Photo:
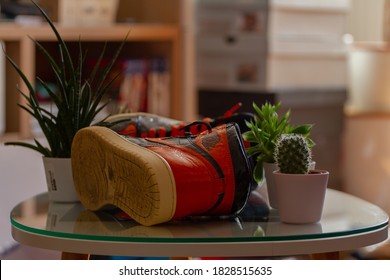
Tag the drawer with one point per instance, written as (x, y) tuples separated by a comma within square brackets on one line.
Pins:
[(306, 71), (245, 72), (231, 44), (308, 22)]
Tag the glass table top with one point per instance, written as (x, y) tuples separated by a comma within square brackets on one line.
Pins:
[(343, 215)]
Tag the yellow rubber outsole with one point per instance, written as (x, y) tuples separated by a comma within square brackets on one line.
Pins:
[(110, 170)]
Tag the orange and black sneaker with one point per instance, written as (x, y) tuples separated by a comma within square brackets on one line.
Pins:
[(153, 126), (155, 180)]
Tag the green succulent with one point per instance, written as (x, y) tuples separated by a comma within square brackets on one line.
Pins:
[(293, 154), (264, 131), (78, 101)]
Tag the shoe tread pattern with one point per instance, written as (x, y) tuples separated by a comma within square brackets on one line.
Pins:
[(109, 170)]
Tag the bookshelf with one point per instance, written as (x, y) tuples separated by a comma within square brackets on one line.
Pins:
[(143, 40)]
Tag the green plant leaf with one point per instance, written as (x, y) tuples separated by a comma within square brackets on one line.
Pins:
[(39, 148), (78, 100), (258, 172), (264, 131), (304, 129)]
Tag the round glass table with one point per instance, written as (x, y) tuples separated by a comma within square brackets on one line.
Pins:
[(347, 223)]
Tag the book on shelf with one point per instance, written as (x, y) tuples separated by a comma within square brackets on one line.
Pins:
[(159, 87), (146, 86), (133, 89)]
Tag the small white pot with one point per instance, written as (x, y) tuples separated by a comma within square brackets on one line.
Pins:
[(269, 169), (301, 196), (58, 172)]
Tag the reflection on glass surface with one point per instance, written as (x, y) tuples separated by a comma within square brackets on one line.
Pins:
[(343, 214), (204, 228), (61, 215)]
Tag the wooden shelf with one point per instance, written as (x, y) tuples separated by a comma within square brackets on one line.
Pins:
[(117, 32), (159, 38)]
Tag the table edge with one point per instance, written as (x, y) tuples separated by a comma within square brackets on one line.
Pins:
[(205, 249)]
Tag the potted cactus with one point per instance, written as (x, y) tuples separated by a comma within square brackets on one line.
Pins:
[(263, 133), (300, 191)]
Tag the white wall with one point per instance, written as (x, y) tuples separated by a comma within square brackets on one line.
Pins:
[(2, 90), (366, 20), (366, 158)]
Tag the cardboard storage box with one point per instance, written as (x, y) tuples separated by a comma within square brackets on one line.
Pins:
[(81, 12)]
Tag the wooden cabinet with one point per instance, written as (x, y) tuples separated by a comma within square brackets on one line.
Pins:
[(143, 39)]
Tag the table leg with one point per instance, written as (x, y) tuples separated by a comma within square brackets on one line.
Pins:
[(74, 256), (326, 256)]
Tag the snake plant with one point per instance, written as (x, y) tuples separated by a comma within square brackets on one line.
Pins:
[(78, 100)]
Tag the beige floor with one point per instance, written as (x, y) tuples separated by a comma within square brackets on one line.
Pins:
[(23, 252)]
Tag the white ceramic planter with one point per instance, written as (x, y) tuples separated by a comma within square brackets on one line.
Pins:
[(58, 172), (269, 169), (301, 196)]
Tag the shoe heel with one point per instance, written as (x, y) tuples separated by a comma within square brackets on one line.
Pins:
[(241, 167), (110, 170)]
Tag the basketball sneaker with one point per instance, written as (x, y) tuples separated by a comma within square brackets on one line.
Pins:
[(155, 180)]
